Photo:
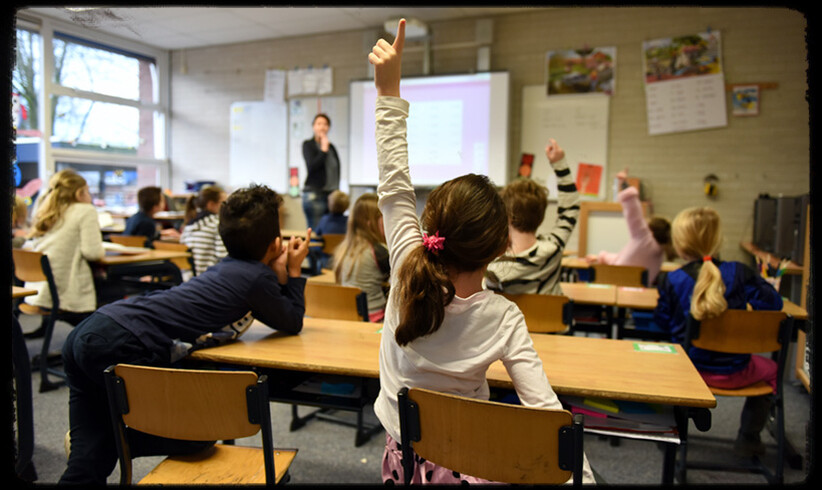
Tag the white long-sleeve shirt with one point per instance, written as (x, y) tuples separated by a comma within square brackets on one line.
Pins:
[(476, 331), (73, 241)]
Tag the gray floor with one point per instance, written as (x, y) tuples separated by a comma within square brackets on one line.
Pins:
[(327, 454)]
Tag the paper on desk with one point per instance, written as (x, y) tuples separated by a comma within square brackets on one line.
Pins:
[(123, 249)]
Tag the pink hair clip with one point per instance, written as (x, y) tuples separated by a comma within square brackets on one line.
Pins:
[(434, 242)]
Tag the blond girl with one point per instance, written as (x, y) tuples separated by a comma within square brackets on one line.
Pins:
[(704, 288), (66, 229)]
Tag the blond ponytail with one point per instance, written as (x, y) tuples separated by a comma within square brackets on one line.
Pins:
[(696, 234)]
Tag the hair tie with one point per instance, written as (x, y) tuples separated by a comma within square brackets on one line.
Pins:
[(707, 258), (434, 242)]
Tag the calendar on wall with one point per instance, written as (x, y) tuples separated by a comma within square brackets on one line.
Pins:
[(684, 83)]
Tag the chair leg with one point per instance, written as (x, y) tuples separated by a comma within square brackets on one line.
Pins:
[(45, 383)]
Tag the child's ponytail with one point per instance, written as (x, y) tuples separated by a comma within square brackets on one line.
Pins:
[(423, 294), (708, 300), (468, 227), (696, 235)]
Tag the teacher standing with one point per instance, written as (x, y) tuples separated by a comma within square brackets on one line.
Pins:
[(323, 164)]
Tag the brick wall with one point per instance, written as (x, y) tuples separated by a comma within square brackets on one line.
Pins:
[(767, 153)]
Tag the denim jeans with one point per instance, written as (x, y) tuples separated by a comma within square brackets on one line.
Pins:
[(90, 348), (315, 205)]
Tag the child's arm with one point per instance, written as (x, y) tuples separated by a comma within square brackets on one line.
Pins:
[(397, 200), (567, 195), (283, 308), (758, 292), (91, 240)]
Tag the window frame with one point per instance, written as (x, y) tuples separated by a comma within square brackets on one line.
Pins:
[(46, 27)]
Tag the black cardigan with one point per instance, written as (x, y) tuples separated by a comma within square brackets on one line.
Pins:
[(315, 164)]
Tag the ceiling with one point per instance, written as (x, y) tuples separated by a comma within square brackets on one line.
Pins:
[(191, 27)]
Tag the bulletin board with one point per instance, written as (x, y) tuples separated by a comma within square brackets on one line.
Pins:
[(301, 112), (258, 145), (579, 124)]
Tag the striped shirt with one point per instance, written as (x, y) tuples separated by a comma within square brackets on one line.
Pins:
[(537, 269), (202, 236)]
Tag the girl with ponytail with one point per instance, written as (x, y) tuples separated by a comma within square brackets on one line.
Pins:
[(442, 328), (704, 288)]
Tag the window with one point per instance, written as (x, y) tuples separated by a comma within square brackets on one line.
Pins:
[(106, 108)]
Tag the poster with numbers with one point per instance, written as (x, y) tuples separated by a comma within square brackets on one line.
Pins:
[(684, 83)]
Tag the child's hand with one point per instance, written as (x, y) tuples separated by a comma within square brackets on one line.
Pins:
[(280, 265), (387, 61), (297, 251), (554, 152), (591, 258)]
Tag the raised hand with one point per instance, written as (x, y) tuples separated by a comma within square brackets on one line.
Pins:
[(553, 151), (387, 61)]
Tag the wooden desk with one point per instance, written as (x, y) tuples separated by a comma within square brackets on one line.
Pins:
[(576, 366), (326, 276), (114, 258), (582, 263), (772, 260), (352, 349), (588, 293), (286, 233)]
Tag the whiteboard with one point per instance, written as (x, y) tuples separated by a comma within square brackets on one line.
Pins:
[(578, 123), (301, 112), (258, 145)]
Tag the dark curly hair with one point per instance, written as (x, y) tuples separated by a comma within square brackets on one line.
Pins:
[(250, 221)]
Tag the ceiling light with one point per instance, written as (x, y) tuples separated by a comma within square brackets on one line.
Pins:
[(414, 28)]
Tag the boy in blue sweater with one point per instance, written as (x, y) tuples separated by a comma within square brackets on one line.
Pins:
[(259, 279)]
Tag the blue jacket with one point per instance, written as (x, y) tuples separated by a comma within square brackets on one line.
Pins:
[(742, 286)]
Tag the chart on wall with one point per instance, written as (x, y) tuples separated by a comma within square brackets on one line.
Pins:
[(684, 83), (579, 124), (258, 145), (301, 112)]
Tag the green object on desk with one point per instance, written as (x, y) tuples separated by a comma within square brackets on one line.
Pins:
[(663, 348)]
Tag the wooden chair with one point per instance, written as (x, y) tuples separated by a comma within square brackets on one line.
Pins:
[(495, 441), (331, 241), (746, 332), (128, 240), (335, 302), (197, 405), (545, 313), (183, 263), (619, 275), (30, 266)]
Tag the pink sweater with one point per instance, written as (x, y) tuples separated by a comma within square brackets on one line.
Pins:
[(642, 249)]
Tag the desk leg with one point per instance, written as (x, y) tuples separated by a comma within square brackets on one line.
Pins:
[(622, 313)]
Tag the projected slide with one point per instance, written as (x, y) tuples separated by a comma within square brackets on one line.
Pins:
[(458, 124)]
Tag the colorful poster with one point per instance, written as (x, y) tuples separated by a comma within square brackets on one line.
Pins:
[(588, 178), (681, 57), (580, 71), (684, 83), (745, 100)]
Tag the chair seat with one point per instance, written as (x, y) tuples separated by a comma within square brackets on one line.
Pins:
[(219, 465), (757, 389), (33, 310)]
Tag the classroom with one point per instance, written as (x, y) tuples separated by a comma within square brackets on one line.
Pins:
[(218, 74)]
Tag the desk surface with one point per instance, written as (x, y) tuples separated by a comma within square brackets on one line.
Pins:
[(773, 260), (646, 298), (147, 256), (578, 366)]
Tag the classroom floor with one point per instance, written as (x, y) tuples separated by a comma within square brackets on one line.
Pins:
[(327, 454)]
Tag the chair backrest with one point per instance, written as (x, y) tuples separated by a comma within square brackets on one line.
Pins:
[(544, 313), (193, 405), (184, 263), (619, 275), (128, 240), (31, 266), (740, 331), (335, 301), (331, 241), (495, 441)]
